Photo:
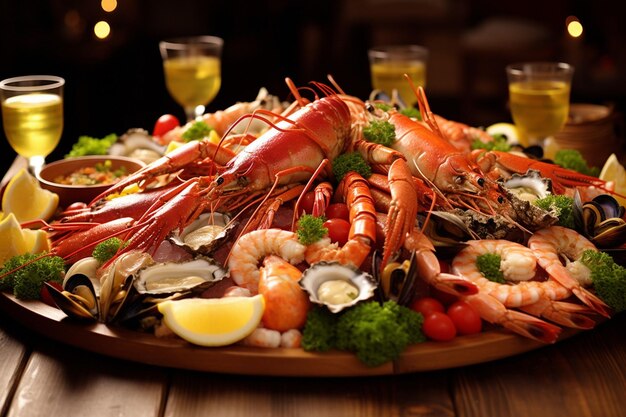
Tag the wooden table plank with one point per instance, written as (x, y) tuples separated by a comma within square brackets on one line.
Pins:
[(64, 381), (195, 394), (13, 357), (579, 377)]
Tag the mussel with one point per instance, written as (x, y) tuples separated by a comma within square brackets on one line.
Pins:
[(397, 281), (601, 220), (77, 299)]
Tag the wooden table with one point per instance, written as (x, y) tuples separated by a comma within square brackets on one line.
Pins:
[(581, 376)]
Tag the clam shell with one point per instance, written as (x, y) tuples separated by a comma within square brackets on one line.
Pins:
[(321, 272), (171, 277)]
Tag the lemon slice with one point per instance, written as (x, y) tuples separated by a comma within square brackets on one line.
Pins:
[(213, 321), (36, 240), (508, 130), (25, 198), (11, 238), (615, 172)]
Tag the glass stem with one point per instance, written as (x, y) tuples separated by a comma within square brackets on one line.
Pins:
[(35, 163), (194, 113)]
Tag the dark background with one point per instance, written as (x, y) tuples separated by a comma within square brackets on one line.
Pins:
[(117, 83)]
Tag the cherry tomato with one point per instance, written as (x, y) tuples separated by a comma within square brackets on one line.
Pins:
[(338, 230), (465, 318), (438, 326), (427, 306), (164, 124), (76, 206), (338, 211), (306, 203)]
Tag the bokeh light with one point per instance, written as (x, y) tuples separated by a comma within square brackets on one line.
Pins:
[(574, 27), (108, 5), (102, 29)]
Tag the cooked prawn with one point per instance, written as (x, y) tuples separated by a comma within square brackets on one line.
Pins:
[(493, 311), (286, 303), (552, 244), (353, 252), (518, 265), (252, 247)]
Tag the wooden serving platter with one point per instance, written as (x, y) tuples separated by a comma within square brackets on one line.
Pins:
[(145, 348)]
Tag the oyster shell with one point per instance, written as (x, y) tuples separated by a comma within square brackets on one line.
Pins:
[(171, 277), (529, 187), (354, 285), (205, 234), (137, 143)]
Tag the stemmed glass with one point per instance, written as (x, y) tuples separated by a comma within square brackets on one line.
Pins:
[(192, 71), (388, 64), (539, 94), (32, 114)]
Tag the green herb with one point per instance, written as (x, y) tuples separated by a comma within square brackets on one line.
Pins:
[(375, 333), (497, 144), (573, 159), (198, 130), (383, 106), (88, 145), (560, 206), (351, 161), (319, 331), (382, 132), (489, 265), (107, 249), (378, 333), (27, 282), (609, 278), (310, 229), (411, 112)]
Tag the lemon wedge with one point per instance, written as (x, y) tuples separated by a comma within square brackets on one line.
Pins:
[(11, 238), (614, 171), (508, 130), (25, 198), (36, 240), (213, 321)]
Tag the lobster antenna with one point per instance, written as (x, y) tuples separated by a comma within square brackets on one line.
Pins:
[(335, 84)]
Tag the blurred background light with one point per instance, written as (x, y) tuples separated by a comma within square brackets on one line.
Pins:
[(102, 29)]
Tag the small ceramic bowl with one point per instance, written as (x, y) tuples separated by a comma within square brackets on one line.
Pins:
[(69, 194)]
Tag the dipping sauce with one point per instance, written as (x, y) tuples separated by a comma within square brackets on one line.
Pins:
[(99, 174), (337, 291)]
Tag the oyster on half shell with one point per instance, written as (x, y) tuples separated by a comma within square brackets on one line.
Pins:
[(337, 286), (171, 277), (205, 234)]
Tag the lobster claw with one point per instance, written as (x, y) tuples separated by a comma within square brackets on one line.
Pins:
[(396, 281)]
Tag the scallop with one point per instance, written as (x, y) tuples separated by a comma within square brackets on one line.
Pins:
[(205, 234), (171, 277), (337, 286)]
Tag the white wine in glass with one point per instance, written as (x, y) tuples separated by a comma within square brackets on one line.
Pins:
[(192, 69), (32, 115), (539, 95)]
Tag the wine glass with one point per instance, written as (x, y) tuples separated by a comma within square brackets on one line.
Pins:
[(539, 94), (192, 71), (388, 64), (32, 115)]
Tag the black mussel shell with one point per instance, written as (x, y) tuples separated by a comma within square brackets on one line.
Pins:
[(398, 283)]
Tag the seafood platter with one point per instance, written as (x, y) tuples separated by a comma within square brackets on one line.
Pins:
[(328, 235)]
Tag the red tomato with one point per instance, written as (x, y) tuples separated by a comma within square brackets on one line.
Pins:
[(338, 211), (338, 230), (164, 124), (76, 206), (306, 203), (438, 326), (427, 306), (465, 318)]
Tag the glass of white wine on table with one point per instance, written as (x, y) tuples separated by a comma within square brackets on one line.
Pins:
[(389, 64), (539, 96), (192, 67), (32, 116)]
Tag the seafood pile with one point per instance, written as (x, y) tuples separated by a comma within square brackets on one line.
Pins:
[(219, 219)]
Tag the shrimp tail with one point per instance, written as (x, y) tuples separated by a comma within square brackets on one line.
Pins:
[(563, 313), (559, 274), (454, 284)]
